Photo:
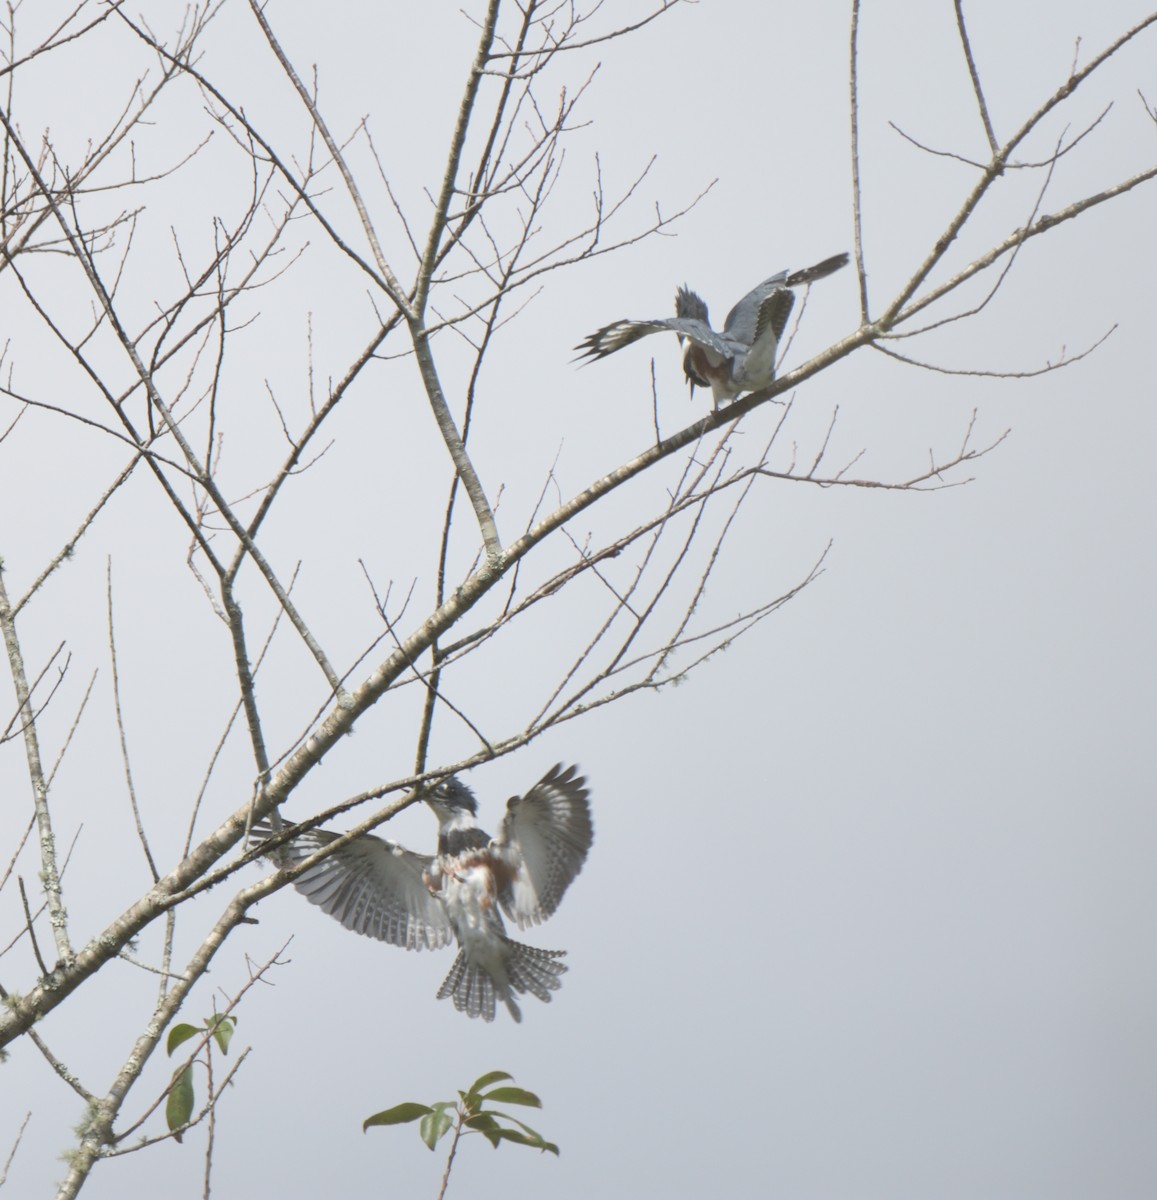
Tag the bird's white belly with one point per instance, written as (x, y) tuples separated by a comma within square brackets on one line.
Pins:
[(467, 896), (470, 904)]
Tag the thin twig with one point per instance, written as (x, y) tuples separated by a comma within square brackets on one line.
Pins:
[(49, 871), (857, 191), (973, 74)]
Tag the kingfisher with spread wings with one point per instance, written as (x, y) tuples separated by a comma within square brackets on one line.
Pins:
[(740, 359), (378, 888)]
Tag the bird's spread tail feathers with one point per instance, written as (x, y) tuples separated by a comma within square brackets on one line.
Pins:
[(528, 969), (810, 274)]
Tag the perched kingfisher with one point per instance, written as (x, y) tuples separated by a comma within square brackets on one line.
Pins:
[(380, 889), (742, 357)]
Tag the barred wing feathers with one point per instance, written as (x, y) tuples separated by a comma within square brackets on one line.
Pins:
[(544, 839), (373, 887)]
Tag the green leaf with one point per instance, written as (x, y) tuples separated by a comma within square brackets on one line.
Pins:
[(489, 1078), (400, 1114), (514, 1095), (532, 1133), (179, 1034), (486, 1125), (222, 1028), (434, 1126), (179, 1106), (525, 1139)]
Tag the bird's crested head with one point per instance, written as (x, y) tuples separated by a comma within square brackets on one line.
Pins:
[(451, 796)]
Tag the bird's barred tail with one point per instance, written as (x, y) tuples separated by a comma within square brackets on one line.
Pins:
[(810, 274), (528, 969)]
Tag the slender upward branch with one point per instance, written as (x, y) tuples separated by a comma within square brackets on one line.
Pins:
[(464, 468), (993, 145), (454, 157), (450, 1157), (392, 286), (857, 207), (49, 871), (471, 484)]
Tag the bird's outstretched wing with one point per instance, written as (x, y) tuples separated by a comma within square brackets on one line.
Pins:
[(544, 839), (622, 333), (744, 320), (372, 886), (773, 314)]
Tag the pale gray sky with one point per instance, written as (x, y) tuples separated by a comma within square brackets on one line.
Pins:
[(870, 909)]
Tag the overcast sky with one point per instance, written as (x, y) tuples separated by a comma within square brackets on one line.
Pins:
[(870, 908)]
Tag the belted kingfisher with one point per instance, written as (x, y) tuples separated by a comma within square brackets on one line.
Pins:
[(742, 357), (378, 888)]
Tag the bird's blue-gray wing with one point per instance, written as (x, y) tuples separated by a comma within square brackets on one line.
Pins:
[(758, 367), (743, 319), (622, 333), (371, 886), (544, 840)]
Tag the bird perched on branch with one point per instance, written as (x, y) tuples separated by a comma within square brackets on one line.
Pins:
[(378, 888), (742, 357)]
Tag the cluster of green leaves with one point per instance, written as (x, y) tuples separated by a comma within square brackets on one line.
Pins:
[(470, 1114), (179, 1106)]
